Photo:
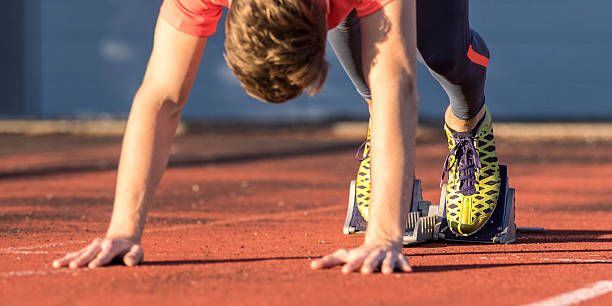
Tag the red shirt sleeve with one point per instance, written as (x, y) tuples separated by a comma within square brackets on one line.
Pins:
[(367, 7), (195, 17)]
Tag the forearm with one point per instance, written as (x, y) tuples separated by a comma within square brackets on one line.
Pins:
[(151, 126), (393, 147), (144, 155), (394, 111), (154, 116)]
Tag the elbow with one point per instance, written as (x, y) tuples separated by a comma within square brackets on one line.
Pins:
[(393, 79), (407, 92), (406, 82), (408, 85), (160, 100)]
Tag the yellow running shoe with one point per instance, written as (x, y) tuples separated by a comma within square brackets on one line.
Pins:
[(473, 177), (363, 185)]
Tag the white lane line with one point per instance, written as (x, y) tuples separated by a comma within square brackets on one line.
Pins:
[(40, 246), (33, 273), (576, 260), (277, 216), (24, 252), (577, 296)]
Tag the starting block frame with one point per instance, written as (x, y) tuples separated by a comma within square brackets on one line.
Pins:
[(427, 221)]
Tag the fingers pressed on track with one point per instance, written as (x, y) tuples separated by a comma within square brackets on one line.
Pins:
[(388, 264), (403, 263), (134, 256), (339, 257), (326, 262), (104, 257), (64, 261), (372, 262), (91, 252), (354, 263)]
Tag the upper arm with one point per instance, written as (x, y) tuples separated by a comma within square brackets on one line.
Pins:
[(389, 44), (173, 63)]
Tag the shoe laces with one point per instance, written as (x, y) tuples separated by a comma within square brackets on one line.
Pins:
[(467, 161)]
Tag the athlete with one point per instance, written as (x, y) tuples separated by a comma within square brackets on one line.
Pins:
[(276, 49)]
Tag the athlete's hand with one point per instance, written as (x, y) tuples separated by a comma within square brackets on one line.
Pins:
[(100, 252), (366, 258)]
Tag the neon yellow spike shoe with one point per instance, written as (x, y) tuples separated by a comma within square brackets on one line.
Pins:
[(363, 185), (473, 177)]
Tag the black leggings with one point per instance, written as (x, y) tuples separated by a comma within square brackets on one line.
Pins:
[(455, 55)]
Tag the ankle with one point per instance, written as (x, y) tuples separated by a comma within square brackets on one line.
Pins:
[(462, 125)]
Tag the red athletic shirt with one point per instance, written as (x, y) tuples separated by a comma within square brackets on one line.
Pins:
[(200, 17)]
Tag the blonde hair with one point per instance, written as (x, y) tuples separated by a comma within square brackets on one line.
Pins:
[(276, 48)]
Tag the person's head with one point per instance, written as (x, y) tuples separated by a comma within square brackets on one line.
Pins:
[(276, 48)]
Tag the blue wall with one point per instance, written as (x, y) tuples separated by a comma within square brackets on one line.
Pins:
[(550, 60)]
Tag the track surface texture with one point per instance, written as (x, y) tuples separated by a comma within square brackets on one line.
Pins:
[(238, 217)]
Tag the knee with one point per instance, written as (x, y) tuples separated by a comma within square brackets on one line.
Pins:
[(444, 61)]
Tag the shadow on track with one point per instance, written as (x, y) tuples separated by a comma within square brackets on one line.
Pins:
[(508, 252), (185, 160), (217, 261), (561, 236), (546, 236), (445, 268)]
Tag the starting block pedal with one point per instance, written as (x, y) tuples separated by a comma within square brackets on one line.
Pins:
[(427, 221)]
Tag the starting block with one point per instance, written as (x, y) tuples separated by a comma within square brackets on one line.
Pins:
[(427, 221)]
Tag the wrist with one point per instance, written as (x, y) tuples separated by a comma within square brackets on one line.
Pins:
[(382, 238), (385, 228), (125, 230), (135, 238)]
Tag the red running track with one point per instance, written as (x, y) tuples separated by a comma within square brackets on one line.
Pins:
[(238, 218)]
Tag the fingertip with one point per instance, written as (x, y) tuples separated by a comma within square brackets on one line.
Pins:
[(73, 265), (134, 256), (404, 264), (315, 265), (56, 264), (130, 261)]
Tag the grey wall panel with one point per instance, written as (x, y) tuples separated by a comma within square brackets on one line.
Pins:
[(550, 60), (11, 57)]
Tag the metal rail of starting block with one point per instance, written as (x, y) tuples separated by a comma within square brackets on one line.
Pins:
[(427, 222)]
